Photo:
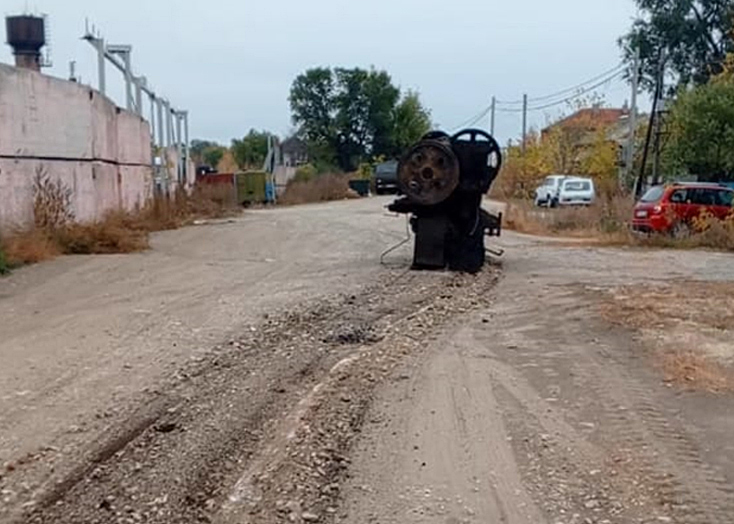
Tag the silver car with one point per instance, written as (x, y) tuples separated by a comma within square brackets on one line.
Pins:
[(577, 191), (548, 192)]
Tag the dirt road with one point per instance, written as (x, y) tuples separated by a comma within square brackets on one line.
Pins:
[(269, 369), (535, 409)]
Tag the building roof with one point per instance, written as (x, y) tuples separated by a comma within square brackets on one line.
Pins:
[(592, 118)]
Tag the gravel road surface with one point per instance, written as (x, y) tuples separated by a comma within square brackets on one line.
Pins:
[(269, 369)]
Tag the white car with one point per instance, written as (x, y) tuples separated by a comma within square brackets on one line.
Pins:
[(577, 192), (548, 192)]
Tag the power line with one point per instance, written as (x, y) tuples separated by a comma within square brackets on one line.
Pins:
[(613, 72), (567, 99), (473, 120)]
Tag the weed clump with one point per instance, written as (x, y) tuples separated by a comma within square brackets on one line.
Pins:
[(55, 232)]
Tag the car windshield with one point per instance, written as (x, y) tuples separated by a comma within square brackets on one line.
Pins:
[(654, 194), (386, 169), (725, 198), (577, 185)]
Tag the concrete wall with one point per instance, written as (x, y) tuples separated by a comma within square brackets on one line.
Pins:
[(169, 172), (73, 134)]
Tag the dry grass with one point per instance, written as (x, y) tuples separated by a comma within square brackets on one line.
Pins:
[(607, 223), (55, 233), (321, 188), (28, 247), (690, 325), (604, 220), (693, 371)]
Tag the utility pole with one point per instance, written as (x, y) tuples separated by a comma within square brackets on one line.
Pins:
[(660, 107), (492, 115), (524, 121), (640, 185), (630, 153)]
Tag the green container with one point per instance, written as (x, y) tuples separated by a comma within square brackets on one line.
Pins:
[(251, 187), (361, 187)]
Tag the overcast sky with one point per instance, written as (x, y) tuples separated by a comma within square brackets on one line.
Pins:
[(231, 62)]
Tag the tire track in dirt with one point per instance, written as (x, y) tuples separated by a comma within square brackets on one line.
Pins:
[(636, 464), (695, 492), (300, 480), (216, 418)]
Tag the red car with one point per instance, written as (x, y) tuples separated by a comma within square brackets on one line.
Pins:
[(672, 209)]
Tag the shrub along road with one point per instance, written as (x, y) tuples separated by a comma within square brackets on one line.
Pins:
[(269, 369)]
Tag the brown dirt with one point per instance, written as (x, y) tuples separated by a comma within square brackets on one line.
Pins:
[(688, 323), (268, 369), (536, 410)]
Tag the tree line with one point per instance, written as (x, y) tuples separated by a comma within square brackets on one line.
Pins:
[(248, 152), (691, 42), (346, 117)]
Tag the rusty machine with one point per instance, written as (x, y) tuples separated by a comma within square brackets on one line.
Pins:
[(442, 180)]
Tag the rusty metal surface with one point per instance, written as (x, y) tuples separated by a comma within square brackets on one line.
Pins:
[(429, 172), (443, 179)]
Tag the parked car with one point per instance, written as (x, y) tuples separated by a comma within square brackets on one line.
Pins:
[(577, 191), (671, 209), (386, 178), (548, 192)]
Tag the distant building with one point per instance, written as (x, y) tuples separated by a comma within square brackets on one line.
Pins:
[(591, 119), (580, 131), (295, 152)]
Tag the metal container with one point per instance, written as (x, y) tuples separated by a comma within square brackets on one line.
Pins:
[(216, 179), (26, 34), (251, 187), (361, 187)]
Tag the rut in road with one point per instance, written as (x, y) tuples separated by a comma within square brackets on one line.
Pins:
[(535, 410), (180, 456)]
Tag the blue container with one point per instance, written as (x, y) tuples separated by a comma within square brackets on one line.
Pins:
[(270, 192)]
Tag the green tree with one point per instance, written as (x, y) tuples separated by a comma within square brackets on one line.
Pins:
[(383, 98), (250, 151), (313, 105), (702, 131), (349, 115), (412, 121), (213, 155), (197, 148), (693, 34)]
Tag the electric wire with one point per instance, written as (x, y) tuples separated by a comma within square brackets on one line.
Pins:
[(613, 72), (564, 100), (473, 120)]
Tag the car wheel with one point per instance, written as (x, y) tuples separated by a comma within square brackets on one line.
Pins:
[(681, 231)]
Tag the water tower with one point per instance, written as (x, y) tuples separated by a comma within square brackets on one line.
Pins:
[(27, 36)]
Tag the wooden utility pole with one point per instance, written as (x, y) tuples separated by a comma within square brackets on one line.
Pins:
[(631, 141), (660, 107), (640, 185)]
